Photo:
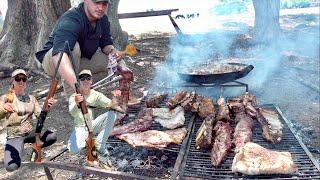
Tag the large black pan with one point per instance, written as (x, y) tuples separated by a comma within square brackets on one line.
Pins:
[(217, 78)]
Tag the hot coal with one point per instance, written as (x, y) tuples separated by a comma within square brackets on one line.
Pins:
[(142, 161)]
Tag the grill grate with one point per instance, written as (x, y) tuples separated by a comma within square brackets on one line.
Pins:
[(197, 163), (172, 150)]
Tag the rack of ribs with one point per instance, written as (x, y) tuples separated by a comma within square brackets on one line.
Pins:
[(204, 134), (253, 159), (271, 125), (155, 100)]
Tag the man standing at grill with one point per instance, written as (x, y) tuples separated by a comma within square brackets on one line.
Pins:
[(102, 125), (17, 108), (86, 28)]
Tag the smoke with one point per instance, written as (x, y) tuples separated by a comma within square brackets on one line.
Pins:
[(300, 39), (188, 51)]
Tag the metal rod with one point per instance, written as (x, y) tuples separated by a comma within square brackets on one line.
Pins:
[(184, 160), (175, 25), (146, 14), (87, 170), (109, 76), (182, 152), (299, 140), (118, 78), (48, 173)]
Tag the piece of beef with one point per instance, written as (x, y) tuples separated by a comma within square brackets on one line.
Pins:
[(222, 142), (169, 119), (143, 121), (187, 104), (271, 125), (196, 104), (243, 130), (154, 138), (206, 107), (155, 100), (204, 134), (253, 159), (177, 99), (223, 113)]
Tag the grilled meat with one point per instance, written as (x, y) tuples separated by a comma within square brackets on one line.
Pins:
[(204, 134), (243, 130), (223, 113), (142, 122), (187, 104), (170, 119), (271, 125), (155, 100), (154, 138), (177, 99), (197, 102), (222, 142), (206, 107), (124, 84), (236, 107), (253, 159)]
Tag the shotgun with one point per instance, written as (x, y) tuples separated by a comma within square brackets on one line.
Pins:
[(91, 148), (36, 155)]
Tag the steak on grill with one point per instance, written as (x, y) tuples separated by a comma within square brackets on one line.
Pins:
[(154, 138), (169, 119), (243, 130), (142, 122), (223, 113), (206, 107), (177, 99), (222, 142), (271, 125), (253, 159), (204, 134), (155, 100)]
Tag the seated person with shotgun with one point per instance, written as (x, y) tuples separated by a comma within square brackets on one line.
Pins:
[(17, 109), (102, 125)]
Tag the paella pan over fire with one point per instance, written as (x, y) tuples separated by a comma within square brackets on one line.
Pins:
[(215, 73)]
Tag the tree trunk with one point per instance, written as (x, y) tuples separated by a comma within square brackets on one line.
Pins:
[(120, 38), (27, 25), (18, 33), (48, 11), (266, 24)]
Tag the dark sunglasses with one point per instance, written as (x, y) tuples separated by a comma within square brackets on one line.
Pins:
[(82, 78), (18, 79)]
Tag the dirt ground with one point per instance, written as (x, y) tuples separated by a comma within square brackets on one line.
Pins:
[(301, 107)]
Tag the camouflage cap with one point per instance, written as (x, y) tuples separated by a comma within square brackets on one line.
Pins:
[(18, 71), (85, 71)]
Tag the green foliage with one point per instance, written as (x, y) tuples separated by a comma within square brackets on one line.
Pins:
[(226, 7), (288, 4)]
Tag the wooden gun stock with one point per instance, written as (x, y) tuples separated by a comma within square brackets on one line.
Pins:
[(36, 156), (91, 151)]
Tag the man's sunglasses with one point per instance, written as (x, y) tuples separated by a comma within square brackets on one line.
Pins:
[(18, 79), (82, 78)]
